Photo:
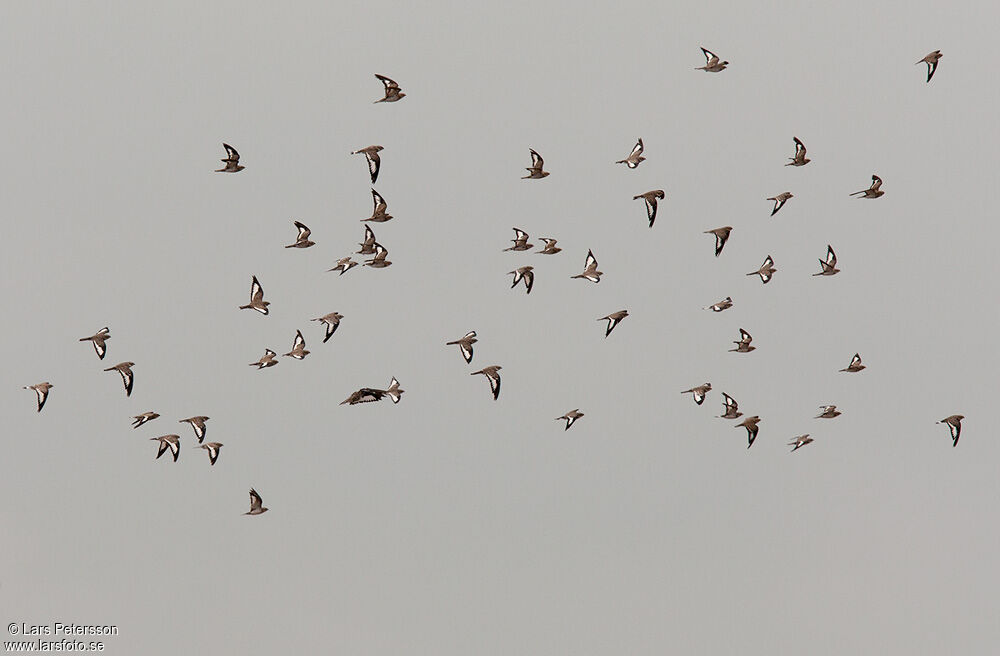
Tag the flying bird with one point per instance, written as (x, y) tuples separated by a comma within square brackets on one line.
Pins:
[(392, 90), (198, 424), (829, 266), (635, 157), (302, 240), (570, 418), (780, 200), (99, 338), (527, 274), (371, 154), (722, 305), (125, 369), (855, 365), (829, 412), (368, 245), (873, 191), (743, 345), (800, 442), (613, 320), (650, 197), (721, 237), (520, 241), (344, 265), (41, 390), (751, 424), (954, 423), (550, 246), (257, 301), (492, 374), (379, 208), (266, 360), (465, 345), (298, 351), (932, 63), (370, 394), (590, 271), (213, 451), (699, 393), (231, 161), (800, 158), (331, 322), (139, 420), (172, 442), (256, 504), (712, 63), (535, 171), (765, 271), (732, 408), (379, 261)]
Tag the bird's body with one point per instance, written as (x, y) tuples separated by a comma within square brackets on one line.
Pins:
[(392, 91), (231, 161), (525, 273), (932, 63), (570, 418), (266, 360), (651, 198), (874, 191), (41, 391), (256, 504), (590, 271), (302, 240), (465, 345), (699, 393), (743, 345), (954, 423), (125, 369), (855, 365), (172, 442), (257, 301), (98, 339), (765, 271), (613, 320), (536, 170), (635, 157), (721, 237), (780, 200), (371, 154), (139, 420), (800, 158), (298, 351), (829, 265), (331, 322), (198, 425), (712, 63), (379, 207), (492, 374), (752, 426)]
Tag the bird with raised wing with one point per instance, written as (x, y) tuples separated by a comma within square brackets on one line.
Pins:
[(231, 161), (257, 301), (392, 91), (635, 157), (536, 170)]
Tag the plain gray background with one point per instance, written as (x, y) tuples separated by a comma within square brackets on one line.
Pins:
[(450, 523)]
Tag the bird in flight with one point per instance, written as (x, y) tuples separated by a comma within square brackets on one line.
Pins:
[(99, 338), (527, 274), (954, 423), (712, 63), (699, 393), (855, 365), (873, 191), (590, 271), (172, 442), (379, 208), (800, 442), (800, 158), (392, 90), (257, 301), (371, 154), (780, 200), (635, 157), (302, 240), (751, 424), (139, 420), (368, 245), (465, 344), (256, 504), (765, 271), (650, 197), (721, 237), (570, 418), (41, 390), (492, 373), (344, 264), (550, 246), (732, 408), (830, 264), (370, 394), (932, 63), (198, 424), (125, 369), (613, 320), (520, 241), (535, 171), (829, 412), (743, 345), (213, 450), (298, 351), (331, 322), (379, 261), (231, 161), (266, 360), (722, 305)]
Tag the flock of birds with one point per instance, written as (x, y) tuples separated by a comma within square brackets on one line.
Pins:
[(378, 260)]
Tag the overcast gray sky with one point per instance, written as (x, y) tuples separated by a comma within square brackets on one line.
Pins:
[(450, 523)]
